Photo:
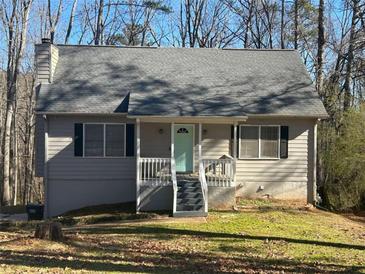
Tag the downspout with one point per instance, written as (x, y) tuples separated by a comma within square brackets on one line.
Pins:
[(315, 200)]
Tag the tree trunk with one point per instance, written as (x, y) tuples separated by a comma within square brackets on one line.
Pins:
[(321, 42), (99, 23), (15, 155), (350, 58), (71, 21), (49, 231), (296, 24), (282, 42), (7, 145), (15, 54)]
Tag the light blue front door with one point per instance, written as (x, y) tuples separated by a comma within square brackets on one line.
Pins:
[(184, 147)]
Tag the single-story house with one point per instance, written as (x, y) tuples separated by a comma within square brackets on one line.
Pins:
[(180, 129)]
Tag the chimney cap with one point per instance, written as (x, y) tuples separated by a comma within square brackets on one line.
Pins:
[(46, 41)]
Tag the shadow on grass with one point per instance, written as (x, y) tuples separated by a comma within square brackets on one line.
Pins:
[(126, 260), (162, 232)]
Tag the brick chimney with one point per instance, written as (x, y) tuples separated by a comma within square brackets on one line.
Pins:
[(46, 57)]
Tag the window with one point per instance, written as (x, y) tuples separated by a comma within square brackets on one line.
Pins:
[(94, 143), (249, 142), (114, 140), (269, 142), (182, 130), (104, 140), (259, 142)]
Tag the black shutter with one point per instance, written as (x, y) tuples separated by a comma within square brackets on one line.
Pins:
[(129, 140), (238, 138), (284, 140), (78, 140)]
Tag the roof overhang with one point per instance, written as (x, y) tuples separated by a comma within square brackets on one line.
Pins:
[(80, 113), (319, 116)]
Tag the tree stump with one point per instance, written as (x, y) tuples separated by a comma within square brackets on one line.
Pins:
[(49, 231)]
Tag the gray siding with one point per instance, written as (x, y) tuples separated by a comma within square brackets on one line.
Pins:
[(75, 182), (39, 146), (154, 143), (43, 64), (46, 58), (283, 178), (54, 61), (216, 140)]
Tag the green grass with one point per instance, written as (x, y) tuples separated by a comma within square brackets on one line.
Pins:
[(258, 240)]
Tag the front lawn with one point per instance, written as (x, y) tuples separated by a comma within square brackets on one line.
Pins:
[(255, 240)]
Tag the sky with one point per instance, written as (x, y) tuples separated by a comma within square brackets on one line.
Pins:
[(35, 22)]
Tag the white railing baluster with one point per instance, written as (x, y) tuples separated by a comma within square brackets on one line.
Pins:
[(218, 172), (155, 171)]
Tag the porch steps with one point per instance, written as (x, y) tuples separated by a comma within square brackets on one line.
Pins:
[(189, 202)]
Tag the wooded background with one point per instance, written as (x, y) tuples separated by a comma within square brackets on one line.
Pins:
[(329, 35)]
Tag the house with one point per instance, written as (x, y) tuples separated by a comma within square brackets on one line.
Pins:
[(175, 129)]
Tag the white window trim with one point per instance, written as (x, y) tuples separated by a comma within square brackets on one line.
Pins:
[(259, 150), (104, 140)]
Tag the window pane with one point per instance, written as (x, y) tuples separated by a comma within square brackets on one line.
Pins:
[(94, 135), (269, 142), (249, 147), (114, 144)]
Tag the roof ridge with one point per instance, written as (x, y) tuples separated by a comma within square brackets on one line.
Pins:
[(183, 48), (253, 49), (105, 46)]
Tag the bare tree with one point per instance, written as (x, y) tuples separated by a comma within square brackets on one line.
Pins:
[(99, 24), (15, 18), (282, 12), (71, 21), (53, 19), (296, 23), (350, 56), (321, 43), (205, 23)]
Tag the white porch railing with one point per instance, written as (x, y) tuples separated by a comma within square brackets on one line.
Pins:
[(155, 171), (219, 172)]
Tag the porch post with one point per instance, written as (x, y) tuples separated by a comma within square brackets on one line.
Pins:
[(200, 143), (172, 140), (138, 153), (234, 150)]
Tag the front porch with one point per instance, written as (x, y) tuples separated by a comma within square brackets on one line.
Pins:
[(185, 166)]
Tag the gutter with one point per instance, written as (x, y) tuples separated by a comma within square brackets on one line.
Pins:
[(81, 113), (200, 117)]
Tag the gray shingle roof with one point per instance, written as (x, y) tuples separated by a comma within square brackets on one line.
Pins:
[(180, 82)]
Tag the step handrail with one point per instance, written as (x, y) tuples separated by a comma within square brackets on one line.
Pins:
[(174, 184), (204, 185)]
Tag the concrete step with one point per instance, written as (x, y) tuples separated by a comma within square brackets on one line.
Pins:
[(188, 195), (189, 207), (189, 189), (190, 214), (188, 184), (196, 201)]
